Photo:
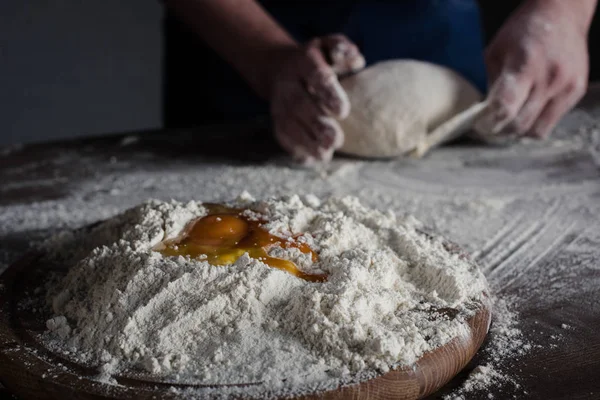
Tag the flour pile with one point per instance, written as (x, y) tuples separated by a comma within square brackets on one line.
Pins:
[(125, 307)]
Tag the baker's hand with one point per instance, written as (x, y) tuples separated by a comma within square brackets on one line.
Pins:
[(538, 68), (306, 97)]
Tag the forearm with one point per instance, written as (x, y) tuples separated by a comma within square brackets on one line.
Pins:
[(241, 31)]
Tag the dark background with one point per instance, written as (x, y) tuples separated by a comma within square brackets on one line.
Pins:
[(78, 67), (74, 68)]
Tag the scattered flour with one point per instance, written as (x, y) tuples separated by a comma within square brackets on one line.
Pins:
[(480, 379), (124, 307), (486, 200), (505, 345)]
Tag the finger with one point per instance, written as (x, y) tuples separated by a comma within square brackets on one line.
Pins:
[(542, 92), (323, 85), (332, 131), (326, 155), (298, 153), (324, 129), (343, 55), (506, 98), (294, 138), (295, 101), (321, 146), (529, 113), (555, 110)]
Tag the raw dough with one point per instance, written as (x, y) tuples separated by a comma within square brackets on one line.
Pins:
[(395, 104)]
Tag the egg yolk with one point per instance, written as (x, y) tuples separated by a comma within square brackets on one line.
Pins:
[(225, 235)]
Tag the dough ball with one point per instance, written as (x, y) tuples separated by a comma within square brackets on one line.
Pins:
[(396, 103)]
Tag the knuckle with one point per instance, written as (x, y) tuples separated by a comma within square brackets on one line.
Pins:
[(341, 45), (525, 58), (558, 74), (338, 37), (571, 89), (326, 126), (313, 43), (311, 51), (529, 52), (318, 82), (321, 78), (579, 87), (506, 109), (574, 90), (506, 87)]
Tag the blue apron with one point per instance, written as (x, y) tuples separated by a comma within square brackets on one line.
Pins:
[(200, 87)]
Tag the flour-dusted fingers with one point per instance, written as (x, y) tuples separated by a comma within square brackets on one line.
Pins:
[(343, 55), (331, 131), (323, 85), (555, 109), (297, 140), (321, 136), (555, 84), (298, 153), (530, 111), (507, 96), (539, 66), (290, 127), (325, 130), (306, 96), (295, 118)]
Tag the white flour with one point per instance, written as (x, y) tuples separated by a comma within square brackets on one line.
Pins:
[(529, 214), (126, 306), (505, 344), (480, 379)]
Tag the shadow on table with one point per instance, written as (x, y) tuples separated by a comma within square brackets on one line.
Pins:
[(248, 142), (48, 171)]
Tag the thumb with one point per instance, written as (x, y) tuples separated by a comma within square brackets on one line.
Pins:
[(343, 55)]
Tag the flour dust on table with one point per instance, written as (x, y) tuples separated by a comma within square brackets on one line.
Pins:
[(125, 306)]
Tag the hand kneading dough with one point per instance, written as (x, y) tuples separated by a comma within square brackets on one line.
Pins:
[(395, 104)]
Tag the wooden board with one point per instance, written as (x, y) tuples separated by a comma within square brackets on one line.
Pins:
[(33, 372)]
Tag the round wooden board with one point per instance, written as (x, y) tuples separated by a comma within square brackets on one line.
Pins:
[(31, 371)]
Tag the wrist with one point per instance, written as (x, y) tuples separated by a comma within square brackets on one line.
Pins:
[(583, 11), (580, 12)]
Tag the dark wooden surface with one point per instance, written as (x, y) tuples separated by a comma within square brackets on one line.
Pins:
[(553, 281)]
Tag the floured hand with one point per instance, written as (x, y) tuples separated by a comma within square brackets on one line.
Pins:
[(307, 98), (538, 67)]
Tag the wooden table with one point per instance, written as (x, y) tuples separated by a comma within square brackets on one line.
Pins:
[(530, 215)]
